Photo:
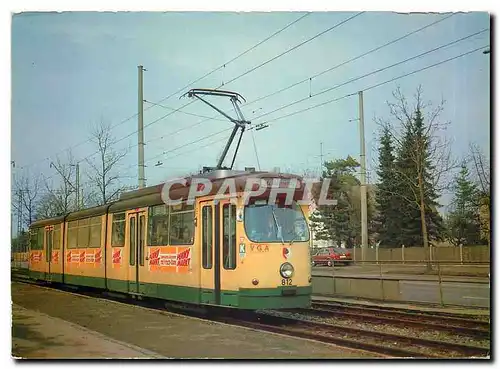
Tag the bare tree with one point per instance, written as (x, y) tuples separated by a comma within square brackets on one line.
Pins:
[(104, 173), (27, 190), (48, 206), (481, 166), (59, 199), (430, 150), (482, 171), (310, 173)]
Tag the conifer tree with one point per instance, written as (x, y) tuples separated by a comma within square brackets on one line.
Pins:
[(463, 221), (427, 169), (340, 223), (423, 162), (387, 220), (405, 173), (482, 174)]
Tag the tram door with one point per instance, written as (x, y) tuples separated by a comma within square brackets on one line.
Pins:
[(48, 250), (218, 251), (136, 245), (207, 237)]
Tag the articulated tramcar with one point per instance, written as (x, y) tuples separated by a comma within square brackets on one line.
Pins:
[(248, 249)]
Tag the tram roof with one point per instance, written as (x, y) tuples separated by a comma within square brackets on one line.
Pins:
[(152, 195), (217, 177)]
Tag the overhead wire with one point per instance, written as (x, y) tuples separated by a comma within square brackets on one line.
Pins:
[(293, 48), (179, 90), (352, 59), (357, 78), (255, 68), (348, 61), (184, 152), (185, 112), (313, 107), (255, 149), (375, 85), (245, 73), (373, 72), (425, 68), (342, 97), (236, 57)]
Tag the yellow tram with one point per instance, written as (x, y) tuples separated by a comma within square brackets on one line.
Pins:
[(244, 248)]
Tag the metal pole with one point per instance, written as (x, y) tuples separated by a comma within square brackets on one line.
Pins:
[(364, 210), (381, 282), (20, 213), (77, 186), (140, 131), (334, 280), (440, 285), (321, 158)]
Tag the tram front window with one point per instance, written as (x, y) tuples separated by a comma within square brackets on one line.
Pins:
[(271, 223)]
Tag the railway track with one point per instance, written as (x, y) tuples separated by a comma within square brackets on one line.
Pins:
[(391, 310), (381, 343), (368, 340), (468, 327)]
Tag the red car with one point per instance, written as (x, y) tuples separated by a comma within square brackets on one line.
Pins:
[(331, 256)]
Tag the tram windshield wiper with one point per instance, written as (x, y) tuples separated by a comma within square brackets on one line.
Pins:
[(279, 233)]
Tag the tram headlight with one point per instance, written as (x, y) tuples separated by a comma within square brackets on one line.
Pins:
[(286, 270)]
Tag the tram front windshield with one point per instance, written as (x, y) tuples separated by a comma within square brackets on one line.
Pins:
[(271, 223)]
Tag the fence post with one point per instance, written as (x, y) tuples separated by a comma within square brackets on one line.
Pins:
[(376, 253), (440, 285), (403, 253), (461, 254), (381, 281), (334, 281)]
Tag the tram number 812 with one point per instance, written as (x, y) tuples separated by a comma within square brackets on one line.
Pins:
[(286, 282)]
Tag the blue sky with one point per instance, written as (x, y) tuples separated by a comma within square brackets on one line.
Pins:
[(70, 70)]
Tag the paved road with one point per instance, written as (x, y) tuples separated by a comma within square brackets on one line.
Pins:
[(453, 290), (475, 272), (402, 277), (465, 294)]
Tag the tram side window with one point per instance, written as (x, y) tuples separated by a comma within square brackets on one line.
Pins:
[(207, 237), (39, 239), (95, 231), (182, 225), (229, 236), (83, 233), (56, 237), (118, 230), (73, 234), (158, 225), (34, 239)]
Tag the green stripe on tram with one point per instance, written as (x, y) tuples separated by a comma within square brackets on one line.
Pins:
[(244, 298)]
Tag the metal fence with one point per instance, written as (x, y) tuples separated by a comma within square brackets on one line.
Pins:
[(461, 254), (19, 260), (442, 283)]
